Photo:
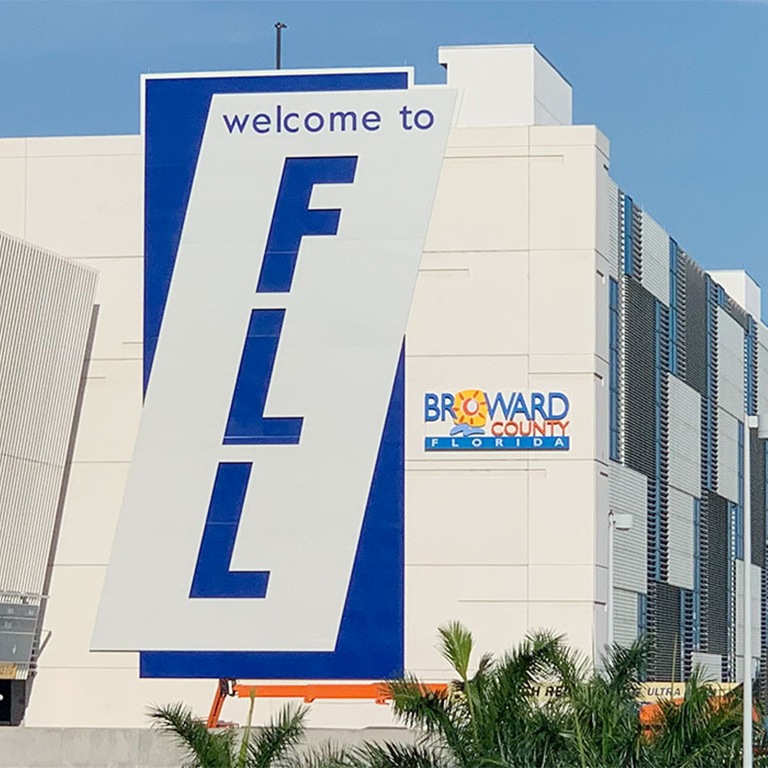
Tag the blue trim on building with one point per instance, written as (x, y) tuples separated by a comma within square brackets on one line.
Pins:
[(708, 419), (642, 614), (750, 368), (697, 567), (739, 508), (655, 508), (674, 310), (629, 261)]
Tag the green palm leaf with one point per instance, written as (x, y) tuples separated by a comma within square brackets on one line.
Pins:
[(274, 742), (203, 748)]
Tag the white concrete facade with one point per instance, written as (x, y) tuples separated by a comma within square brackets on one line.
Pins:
[(510, 294)]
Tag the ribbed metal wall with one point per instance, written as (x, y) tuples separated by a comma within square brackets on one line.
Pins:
[(655, 259), (710, 664), (624, 617), (718, 574), (755, 574), (639, 386), (614, 226), (730, 356), (684, 437), (681, 544), (728, 456), (45, 313), (695, 327), (762, 369), (666, 642), (757, 492), (629, 494), (689, 358)]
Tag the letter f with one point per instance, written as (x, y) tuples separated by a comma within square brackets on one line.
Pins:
[(293, 219)]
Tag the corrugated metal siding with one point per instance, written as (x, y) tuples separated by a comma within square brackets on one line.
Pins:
[(718, 573), (681, 545), (756, 574), (614, 226), (655, 259), (684, 437), (757, 495), (727, 456), (695, 327), (639, 378), (730, 359), (711, 664), (628, 493), (762, 369), (665, 662), (624, 617), (45, 313)]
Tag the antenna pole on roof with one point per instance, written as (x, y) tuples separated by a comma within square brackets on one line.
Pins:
[(279, 27)]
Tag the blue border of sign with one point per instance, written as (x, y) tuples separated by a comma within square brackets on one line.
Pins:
[(371, 642)]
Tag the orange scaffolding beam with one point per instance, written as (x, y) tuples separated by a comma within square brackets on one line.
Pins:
[(377, 692)]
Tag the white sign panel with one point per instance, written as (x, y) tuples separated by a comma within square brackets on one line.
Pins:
[(273, 371)]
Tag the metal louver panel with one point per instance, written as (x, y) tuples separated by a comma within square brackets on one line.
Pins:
[(682, 310), (613, 222), (664, 618), (628, 494), (695, 330), (625, 616), (639, 382), (45, 314), (637, 242), (655, 243), (762, 369), (710, 664), (718, 574), (684, 437), (662, 447), (728, 484), (681, 545), (757, 496), (730, 357), (687, 630)]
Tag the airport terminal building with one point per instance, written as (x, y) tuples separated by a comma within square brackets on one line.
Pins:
[(584, 409)]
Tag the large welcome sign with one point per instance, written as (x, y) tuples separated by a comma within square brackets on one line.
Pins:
[(261, 533)]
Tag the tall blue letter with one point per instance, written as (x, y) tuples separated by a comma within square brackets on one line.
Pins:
[(293, 219), (212, 575)]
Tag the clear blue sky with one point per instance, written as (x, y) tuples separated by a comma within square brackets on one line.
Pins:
[(679, 88)]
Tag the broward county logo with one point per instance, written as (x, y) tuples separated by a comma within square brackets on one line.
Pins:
[(502, 421)]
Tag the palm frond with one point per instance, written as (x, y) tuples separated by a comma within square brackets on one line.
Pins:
[(702, 730), (395, 755), (204, 749), (456, 647), (273, 742), (327, 755), (623, 666)]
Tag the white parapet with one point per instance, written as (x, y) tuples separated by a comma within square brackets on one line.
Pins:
[(506, 85)]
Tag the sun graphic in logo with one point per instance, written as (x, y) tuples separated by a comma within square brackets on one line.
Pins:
[(470, 408)]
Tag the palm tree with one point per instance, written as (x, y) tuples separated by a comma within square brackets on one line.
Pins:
[(268, 747), (483, 719), (488, 718), (704, 730), (599, 708)]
